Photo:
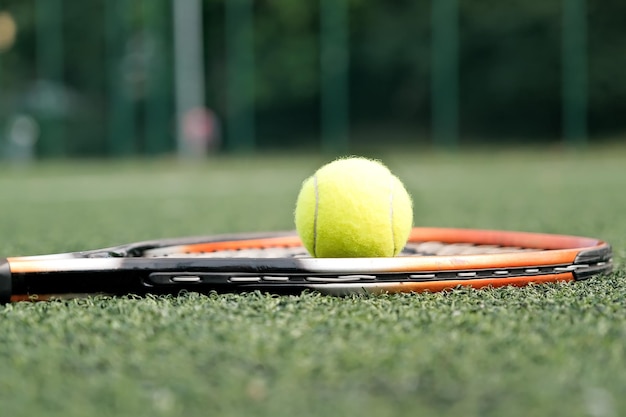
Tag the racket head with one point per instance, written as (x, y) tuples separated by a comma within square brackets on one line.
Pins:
[(434, 259)]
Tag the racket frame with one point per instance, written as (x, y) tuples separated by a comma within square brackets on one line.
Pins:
[(125, 269)]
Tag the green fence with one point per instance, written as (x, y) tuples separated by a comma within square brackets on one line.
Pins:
[(150, 77)]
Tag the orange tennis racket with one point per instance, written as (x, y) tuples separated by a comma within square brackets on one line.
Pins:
[(434, 259)]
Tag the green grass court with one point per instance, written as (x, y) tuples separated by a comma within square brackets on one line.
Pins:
[(542, 350)]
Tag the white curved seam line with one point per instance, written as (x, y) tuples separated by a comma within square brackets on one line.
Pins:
[(393, 237), (315, 216)]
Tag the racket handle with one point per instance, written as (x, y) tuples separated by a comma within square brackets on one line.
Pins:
[(6, 282)]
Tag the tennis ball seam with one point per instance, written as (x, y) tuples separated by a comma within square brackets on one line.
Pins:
[(317, 200), (393, 232)]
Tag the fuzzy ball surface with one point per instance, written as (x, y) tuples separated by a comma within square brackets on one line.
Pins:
[(353, 207)]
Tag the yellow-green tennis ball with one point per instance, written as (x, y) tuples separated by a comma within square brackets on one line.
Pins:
[(353, 207)]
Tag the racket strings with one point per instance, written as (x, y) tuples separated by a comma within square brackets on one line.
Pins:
[(411, 249), (450, 249)]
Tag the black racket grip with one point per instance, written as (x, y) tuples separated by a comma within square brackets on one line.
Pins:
[(6, 282)]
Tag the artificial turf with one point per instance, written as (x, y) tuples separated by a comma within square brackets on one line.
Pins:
[(557, 349)]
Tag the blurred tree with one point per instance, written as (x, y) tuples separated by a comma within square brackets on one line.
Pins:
[(510, 68), (607, 60)]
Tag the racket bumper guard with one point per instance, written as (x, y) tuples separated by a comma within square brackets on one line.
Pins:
[(602, 253), (5, 281), (600, 268)]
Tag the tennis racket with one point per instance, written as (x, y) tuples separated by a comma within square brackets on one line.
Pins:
[(434, 259)]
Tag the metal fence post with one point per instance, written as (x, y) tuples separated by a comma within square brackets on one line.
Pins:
[(189, 68), (574, 64), (240, 119), (121, 109), (158, 121), (51, 106), (445, 73), (334, 60)]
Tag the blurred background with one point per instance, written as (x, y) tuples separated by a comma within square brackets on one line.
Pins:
[(108, 78)]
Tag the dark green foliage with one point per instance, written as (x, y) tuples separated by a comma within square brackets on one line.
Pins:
[(510, 69)]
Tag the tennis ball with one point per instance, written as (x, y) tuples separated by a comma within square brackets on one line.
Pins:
[(353, 207)]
